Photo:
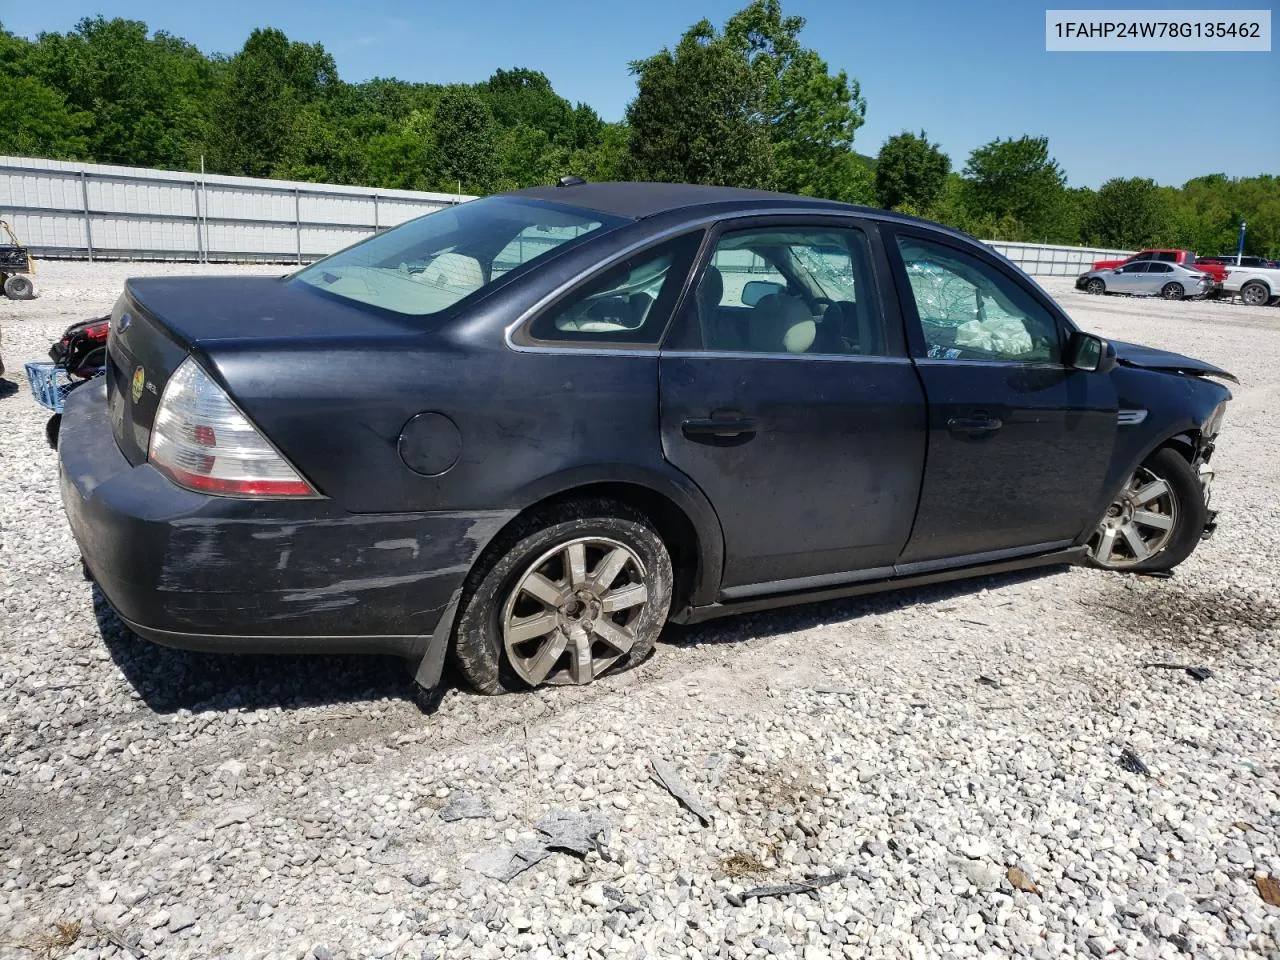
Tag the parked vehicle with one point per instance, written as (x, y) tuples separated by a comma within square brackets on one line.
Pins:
[(78, 356), (16, 266), (1256, 286), (402, 449), (1230, 260), (1183, 258), (1148, 278)]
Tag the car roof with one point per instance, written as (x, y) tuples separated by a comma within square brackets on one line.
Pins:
[(638, 201)]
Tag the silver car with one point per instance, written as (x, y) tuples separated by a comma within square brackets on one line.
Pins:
[(1148, 278)]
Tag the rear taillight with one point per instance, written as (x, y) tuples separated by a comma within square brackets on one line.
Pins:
[(200, 440)]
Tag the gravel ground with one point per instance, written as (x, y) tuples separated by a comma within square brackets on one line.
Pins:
[(941, 767)]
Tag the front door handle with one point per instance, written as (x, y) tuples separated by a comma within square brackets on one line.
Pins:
[(721, 425), (975, 426)]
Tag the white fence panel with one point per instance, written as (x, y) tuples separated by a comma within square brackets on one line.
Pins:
[(64, 209), (1051, 260)]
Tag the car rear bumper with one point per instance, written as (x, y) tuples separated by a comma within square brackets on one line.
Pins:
[(213, 573)]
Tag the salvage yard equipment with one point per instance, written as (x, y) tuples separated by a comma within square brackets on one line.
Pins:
[(15, 265)]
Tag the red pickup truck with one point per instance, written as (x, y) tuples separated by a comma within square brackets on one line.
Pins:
[(1184, 257)]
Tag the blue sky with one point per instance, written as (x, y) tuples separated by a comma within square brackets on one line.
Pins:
[(964, 72)]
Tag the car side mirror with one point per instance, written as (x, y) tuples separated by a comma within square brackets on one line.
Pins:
[(756, 290), (1091, 353)]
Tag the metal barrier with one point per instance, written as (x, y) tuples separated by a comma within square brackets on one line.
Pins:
[(96, 211), (1049, 260)]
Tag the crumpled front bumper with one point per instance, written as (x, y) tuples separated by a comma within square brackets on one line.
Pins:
[(1205, 474)]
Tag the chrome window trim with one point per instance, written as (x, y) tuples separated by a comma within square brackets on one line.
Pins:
[(749, 355), (1029, 365), (686, 226)]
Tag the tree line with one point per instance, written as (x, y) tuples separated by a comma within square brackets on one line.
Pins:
[(745, 104)]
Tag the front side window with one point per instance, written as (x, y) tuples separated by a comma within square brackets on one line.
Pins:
[(427, 265), (790, 290), (970, 310), (1161, 268), (630, 302)]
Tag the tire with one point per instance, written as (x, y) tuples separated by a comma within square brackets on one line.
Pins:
[(1095, 286), (51, 430), (1255, 293), (1181, 505), (18, 287), (1172, 291), (499, 646)]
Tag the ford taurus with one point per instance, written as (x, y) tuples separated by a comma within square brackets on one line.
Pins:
[(529, 430)]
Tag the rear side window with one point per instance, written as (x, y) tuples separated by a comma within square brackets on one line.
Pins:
[(1161, 268), (428, 265), (628, 303)]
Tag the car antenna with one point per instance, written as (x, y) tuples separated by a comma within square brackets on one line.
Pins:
[(571, 180)]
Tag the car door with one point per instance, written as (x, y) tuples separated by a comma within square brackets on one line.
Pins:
[(796, 408), (1019, 443), (1157, 275), (1130, 278)]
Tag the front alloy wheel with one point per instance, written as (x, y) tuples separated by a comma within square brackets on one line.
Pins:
[(1156, 519)]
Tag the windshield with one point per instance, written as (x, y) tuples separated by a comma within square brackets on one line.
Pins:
[(429, 264)]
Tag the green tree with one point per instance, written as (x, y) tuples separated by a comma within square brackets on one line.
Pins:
[(1017, 187), (464, 142), (910, 170), (147, 96), (697, 116), (811, 114), (34, 117), (605, 158), (1127, 212), (259, 124)]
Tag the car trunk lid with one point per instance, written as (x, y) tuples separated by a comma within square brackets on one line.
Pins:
[(158, 322)]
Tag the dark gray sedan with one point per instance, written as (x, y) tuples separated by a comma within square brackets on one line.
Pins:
[(526, 431), (1148, 278)]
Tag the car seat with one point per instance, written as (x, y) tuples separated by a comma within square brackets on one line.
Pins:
[(781, 324), (453, 271)]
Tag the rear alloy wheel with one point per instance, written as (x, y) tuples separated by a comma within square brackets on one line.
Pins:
[(1255, 293), (564, 598), (1172, 291), (1095, 286), (1156, 519)]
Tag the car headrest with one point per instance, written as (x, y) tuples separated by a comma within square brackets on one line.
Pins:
[(781, 324), (710, 290), (454, 271)]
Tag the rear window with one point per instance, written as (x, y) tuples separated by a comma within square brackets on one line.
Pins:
[(429, 264)]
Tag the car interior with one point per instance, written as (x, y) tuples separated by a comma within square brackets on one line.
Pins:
[(808, 306)]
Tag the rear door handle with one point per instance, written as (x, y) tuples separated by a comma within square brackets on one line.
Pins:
[(974, 426), (721, 425)]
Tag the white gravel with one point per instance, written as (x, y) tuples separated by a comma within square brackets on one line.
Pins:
[(163, 804)]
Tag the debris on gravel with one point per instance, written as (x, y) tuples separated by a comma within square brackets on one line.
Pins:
[(165, 804)]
